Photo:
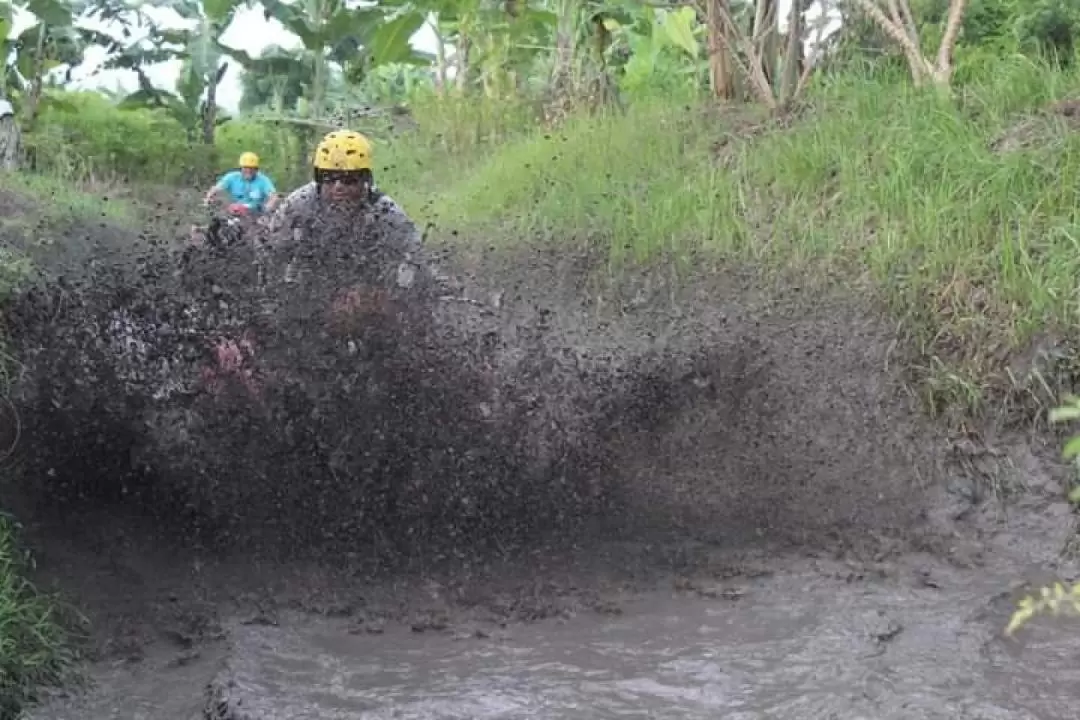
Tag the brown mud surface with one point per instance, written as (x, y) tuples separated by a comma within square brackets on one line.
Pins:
[(786, 538)]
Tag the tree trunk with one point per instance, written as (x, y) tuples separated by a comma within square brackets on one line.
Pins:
[(461, 61), (607, 91), (793, 55), (764, 35), (899, 25), (319, 82), (441, 65), (209, 115), (562, 67), (10, 138), (944, 70), (720, 65)]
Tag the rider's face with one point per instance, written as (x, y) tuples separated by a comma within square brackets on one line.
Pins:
[(248, 172), (344, 188)]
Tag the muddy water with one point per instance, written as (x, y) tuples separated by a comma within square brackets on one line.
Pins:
[(917, 638), (725, 633), (793, 646)]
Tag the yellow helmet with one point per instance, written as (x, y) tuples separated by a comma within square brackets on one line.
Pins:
[(249, 160), (343, 151)]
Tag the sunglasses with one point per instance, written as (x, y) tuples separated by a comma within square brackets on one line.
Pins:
[(345, 178)]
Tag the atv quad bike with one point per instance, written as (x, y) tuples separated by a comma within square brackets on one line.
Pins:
[(226, 229)]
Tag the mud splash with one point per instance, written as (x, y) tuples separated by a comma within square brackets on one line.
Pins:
[(729, 508)]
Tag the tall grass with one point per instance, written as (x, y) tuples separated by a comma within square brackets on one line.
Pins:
[(878, 184), (35, 652)]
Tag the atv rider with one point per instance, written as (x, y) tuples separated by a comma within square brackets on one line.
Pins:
[(343, 192), (251, 193), (382, 254)]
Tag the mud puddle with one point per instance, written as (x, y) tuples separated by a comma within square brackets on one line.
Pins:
[(810, 638), (797, 645)]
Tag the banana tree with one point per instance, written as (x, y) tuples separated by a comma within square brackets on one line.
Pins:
[(646, 42), (6, 47), (334, 31), (206, 60), (10, 137), (51, 41), (513, 38), (452, 22), (495, 42), (139, 44), (594, 27), (276, 79)]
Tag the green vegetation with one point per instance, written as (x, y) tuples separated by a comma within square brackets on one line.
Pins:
[(1058, 598), (934, 183), (34, 648)]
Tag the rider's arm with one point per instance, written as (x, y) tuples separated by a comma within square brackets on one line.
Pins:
[(272, 202), (221, 186), (286, 209), (404, 231), (272, 196)]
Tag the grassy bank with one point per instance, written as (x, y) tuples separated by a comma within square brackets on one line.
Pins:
[(34, 648), (59, 199), (875, 185)]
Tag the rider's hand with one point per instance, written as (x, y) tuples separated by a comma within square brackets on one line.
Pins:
[(362, 301), (228, 355), (355, 308)]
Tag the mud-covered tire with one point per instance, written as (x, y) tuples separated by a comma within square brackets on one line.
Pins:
[(224, 235)]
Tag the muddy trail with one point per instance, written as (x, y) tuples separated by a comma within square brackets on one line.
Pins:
[(692, 500)]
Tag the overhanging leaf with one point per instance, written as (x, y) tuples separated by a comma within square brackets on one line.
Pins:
[(50, 12), (1071, 449), (141, 99), (679, 28), (244, 59), (390, 43), (219, 10), (24, 63), (292, 17), (1068, 412)]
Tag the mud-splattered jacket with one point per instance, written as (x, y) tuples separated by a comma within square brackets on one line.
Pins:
[(389, 241)]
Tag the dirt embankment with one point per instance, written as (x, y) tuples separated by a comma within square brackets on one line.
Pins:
[(658, 430)]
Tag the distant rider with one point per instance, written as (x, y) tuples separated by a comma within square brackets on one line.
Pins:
[(249, 192), (253, 191)]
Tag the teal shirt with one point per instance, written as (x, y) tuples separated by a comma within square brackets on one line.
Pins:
[(254, 192)]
